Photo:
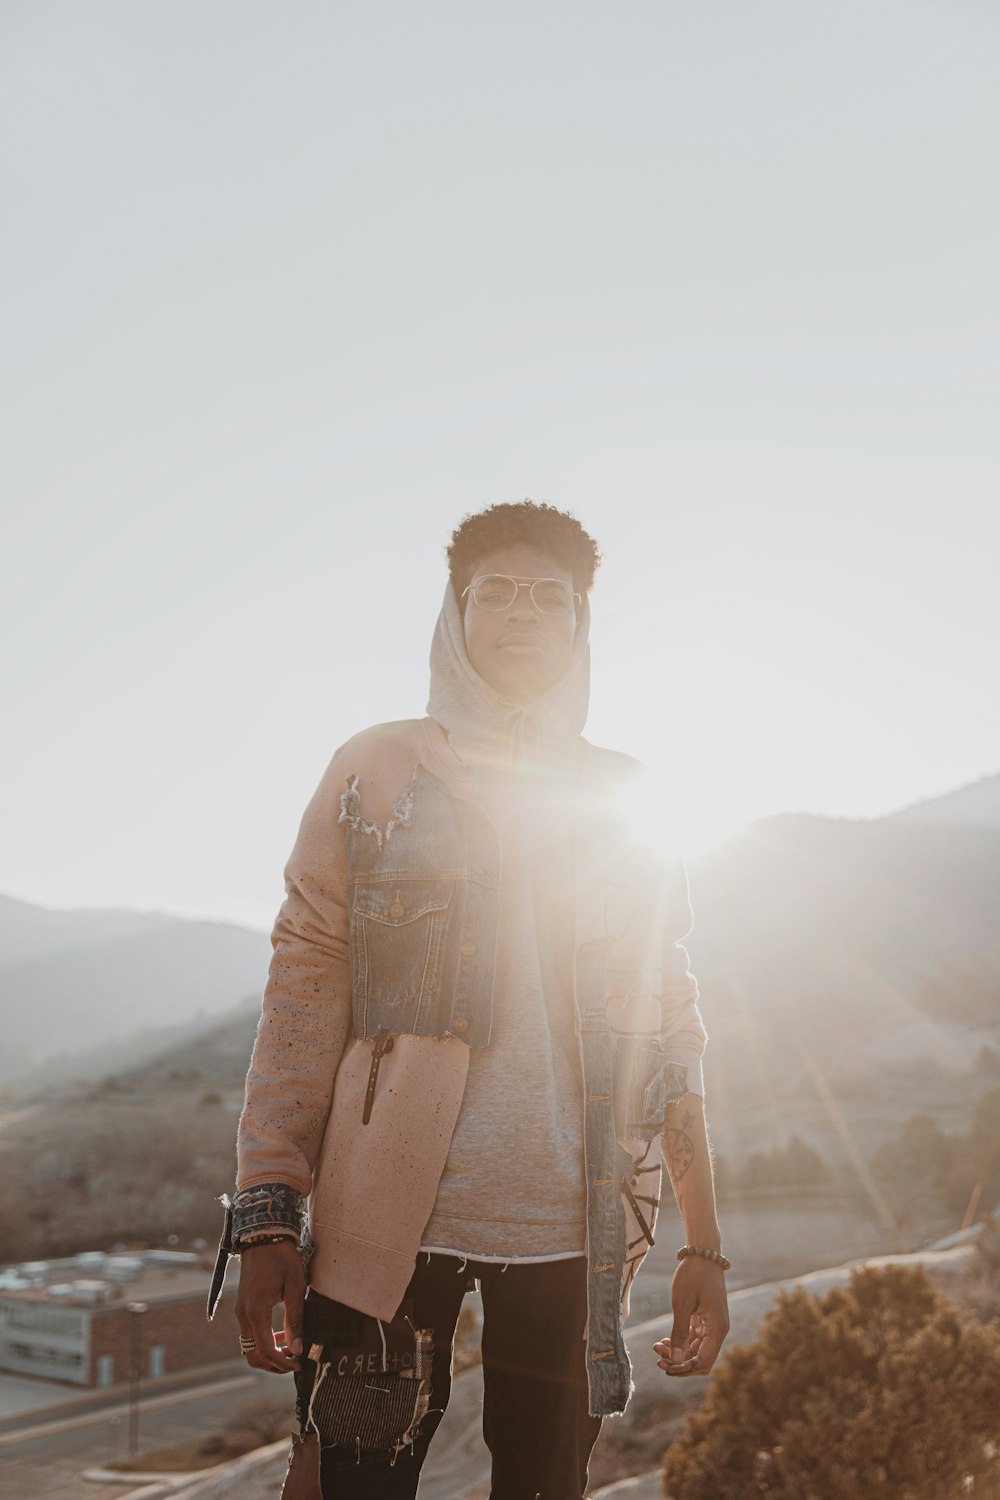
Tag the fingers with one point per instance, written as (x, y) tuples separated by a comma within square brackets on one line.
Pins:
[(267, 1279), (253, 1313), (696, 1358), (678, 1351), (701, 1320), (268, 1354), (687, 1356), (680, 1332), (715, 1331)]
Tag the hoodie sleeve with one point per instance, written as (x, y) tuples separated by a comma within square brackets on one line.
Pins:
[(306, 1013), (682, 1031)]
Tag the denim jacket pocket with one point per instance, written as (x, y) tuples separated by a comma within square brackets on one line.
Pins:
[(645, 1085), (398, 929)]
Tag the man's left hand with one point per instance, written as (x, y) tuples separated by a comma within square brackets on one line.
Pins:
[(701, 1318)]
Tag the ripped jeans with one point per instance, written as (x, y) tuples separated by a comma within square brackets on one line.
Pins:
[(535, 1412)]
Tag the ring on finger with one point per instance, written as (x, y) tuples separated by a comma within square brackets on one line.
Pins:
[(247, 1346)]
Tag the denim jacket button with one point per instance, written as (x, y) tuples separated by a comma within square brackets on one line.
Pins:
[(468, 949), (460, 1025)]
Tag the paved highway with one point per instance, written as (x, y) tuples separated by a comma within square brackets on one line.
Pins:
[(49, 1459)]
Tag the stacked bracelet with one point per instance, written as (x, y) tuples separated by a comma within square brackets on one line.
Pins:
[(264, 1239), (716, 1255)]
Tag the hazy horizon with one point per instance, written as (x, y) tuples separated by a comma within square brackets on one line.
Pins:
[(266, 925)]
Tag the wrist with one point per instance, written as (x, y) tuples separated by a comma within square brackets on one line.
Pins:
[(708, 1238), (701, 1252)]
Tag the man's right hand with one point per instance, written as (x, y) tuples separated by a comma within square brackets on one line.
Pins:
[(271, 1274)]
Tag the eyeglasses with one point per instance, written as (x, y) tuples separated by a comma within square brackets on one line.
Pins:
[(550, 596)]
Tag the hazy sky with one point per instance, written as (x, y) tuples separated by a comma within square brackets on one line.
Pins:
[(289, 289)]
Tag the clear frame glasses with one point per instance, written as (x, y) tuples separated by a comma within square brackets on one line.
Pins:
[(497, 591)]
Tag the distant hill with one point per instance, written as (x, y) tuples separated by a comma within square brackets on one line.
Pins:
[(976, 805), (135, 1154), (28, 931), (828, 926), (850, 976), (80, 980), (218, 1054), (153, 1053)]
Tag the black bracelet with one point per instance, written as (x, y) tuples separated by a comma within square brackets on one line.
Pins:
[(716, 1255), (265, 1239)]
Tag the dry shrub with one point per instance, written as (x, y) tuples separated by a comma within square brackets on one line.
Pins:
[(882, 1388), (980, 1288), (263, 1419), (255, 1422)]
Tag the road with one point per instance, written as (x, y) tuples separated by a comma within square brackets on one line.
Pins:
[(49, 1460)]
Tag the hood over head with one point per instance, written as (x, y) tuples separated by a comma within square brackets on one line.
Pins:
[(481, 723)]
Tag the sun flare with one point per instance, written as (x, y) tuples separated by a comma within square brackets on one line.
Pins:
[(688, 823)]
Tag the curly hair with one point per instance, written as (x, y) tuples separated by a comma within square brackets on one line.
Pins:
[(539, 525)]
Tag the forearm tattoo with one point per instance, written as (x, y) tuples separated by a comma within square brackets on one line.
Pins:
[(679, 1148)]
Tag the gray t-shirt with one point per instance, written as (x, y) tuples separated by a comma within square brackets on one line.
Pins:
[(513, 1185)]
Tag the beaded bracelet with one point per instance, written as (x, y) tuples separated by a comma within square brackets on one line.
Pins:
[(264, 1239), (716, 1255)]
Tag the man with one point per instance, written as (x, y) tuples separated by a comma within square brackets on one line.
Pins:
[(477, 1024)]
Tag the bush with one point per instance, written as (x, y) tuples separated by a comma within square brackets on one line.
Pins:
[(792, 1165), (262, 1419), (980, 1289), (795, 1165), (975, 1165), (881, 1388), (920, 1152), (963, 1169)]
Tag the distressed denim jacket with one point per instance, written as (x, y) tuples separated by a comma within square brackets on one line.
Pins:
[(423, 912)]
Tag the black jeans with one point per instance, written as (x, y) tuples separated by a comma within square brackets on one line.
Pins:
[(535, 1411)]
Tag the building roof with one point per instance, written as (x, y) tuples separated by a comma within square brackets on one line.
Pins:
[(108, 1281)]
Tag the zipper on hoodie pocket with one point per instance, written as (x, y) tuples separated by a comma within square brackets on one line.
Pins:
[(383, 1044)]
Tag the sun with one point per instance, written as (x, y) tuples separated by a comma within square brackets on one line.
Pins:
[(685, 820)]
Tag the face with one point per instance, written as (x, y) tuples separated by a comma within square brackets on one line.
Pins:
[(520, 651)]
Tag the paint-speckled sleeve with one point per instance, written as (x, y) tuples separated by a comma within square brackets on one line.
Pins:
[(306, 1013), (683, 1030)]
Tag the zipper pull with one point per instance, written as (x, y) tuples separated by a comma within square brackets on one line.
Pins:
[(383, 1044)]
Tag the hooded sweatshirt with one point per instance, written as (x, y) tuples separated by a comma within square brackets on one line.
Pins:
[(513, 1185)]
